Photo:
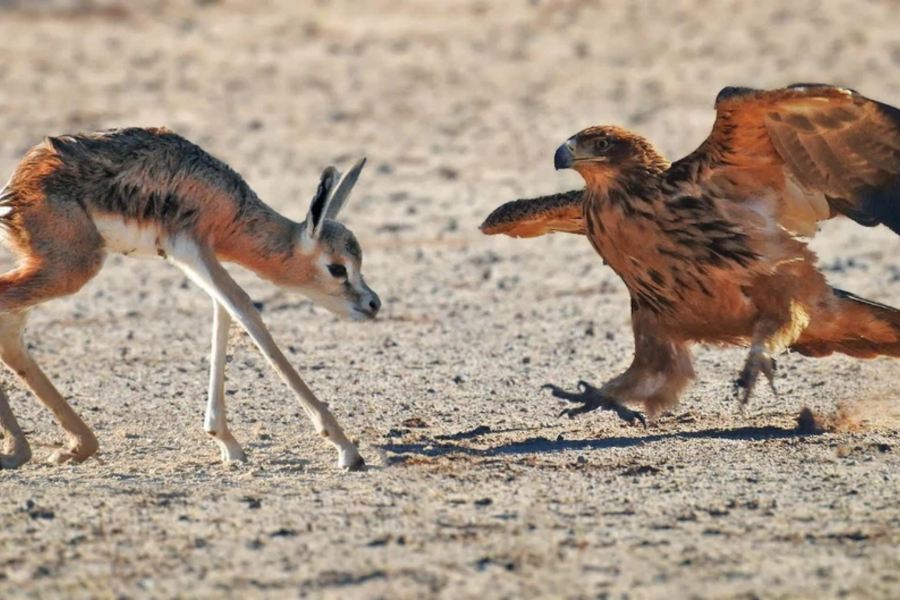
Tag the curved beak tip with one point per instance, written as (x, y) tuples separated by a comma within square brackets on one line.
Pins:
[(563, 158)]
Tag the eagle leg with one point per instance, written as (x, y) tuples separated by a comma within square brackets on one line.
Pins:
[(759, 361), (592, 398)]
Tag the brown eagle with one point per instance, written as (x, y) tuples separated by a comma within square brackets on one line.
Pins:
[(712, 247)]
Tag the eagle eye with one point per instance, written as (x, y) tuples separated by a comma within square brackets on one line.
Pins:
[(602, 145)]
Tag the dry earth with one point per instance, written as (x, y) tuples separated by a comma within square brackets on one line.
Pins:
[(478, 489)]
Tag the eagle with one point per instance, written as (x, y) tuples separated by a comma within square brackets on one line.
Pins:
[(713, 247)]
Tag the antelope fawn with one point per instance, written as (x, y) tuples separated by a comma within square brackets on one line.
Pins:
[(149, 192)]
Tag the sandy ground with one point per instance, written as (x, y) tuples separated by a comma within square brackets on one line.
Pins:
[(479, 489)]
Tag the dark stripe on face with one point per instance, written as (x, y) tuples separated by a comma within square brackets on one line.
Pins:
[(352, 247)]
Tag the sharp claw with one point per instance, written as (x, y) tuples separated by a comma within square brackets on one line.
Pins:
[(574, 412), (630, 416), (590, 399)]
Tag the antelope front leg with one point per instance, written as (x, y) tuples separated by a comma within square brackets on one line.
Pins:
[(201, 266), (216, 422)]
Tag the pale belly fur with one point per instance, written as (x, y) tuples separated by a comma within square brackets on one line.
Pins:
[(129, 238)]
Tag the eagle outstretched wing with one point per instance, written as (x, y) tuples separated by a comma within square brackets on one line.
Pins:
[(538, 216), (826, 150)]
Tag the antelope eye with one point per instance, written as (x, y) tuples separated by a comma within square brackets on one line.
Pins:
[(338, 271)]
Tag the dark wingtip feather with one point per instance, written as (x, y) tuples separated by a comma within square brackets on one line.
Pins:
[(732, 92), (890, 112), (503, 215), (883, 204), (507, 216)]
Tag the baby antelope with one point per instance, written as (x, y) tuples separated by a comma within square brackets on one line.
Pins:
[(149, 192)]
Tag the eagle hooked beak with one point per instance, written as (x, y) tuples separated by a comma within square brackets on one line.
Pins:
[(564, 157)]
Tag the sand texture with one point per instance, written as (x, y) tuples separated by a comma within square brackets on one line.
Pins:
[(478, 488)]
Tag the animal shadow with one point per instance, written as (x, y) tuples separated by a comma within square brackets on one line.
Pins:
[(448, 445)]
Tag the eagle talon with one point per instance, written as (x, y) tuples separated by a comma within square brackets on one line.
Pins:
[(631, 416), (592, 399), (562, 394), (758, 362)]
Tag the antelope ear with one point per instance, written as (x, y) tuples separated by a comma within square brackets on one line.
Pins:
[(339, 198), (317, 209)]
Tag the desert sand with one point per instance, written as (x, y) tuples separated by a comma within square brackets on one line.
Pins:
[(477, 488)]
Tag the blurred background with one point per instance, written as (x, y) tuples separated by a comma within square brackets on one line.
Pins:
[(459, 106)]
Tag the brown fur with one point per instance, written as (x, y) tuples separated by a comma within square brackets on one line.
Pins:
[(146, 176), (200, 212)]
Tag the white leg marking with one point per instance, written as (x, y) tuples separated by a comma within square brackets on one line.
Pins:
[(201, 266), (216, 422)]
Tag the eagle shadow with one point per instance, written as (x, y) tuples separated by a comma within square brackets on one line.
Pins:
[(448, 445)]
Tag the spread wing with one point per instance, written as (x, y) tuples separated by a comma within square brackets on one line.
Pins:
[(825, 150), (538, 216)]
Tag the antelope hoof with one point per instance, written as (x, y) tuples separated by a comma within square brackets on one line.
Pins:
[(235, 455), (15, 459), (229, 448), (80, 449), (65, 455), (352, 463)]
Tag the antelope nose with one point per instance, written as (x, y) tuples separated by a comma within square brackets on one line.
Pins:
[(374, 304)]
